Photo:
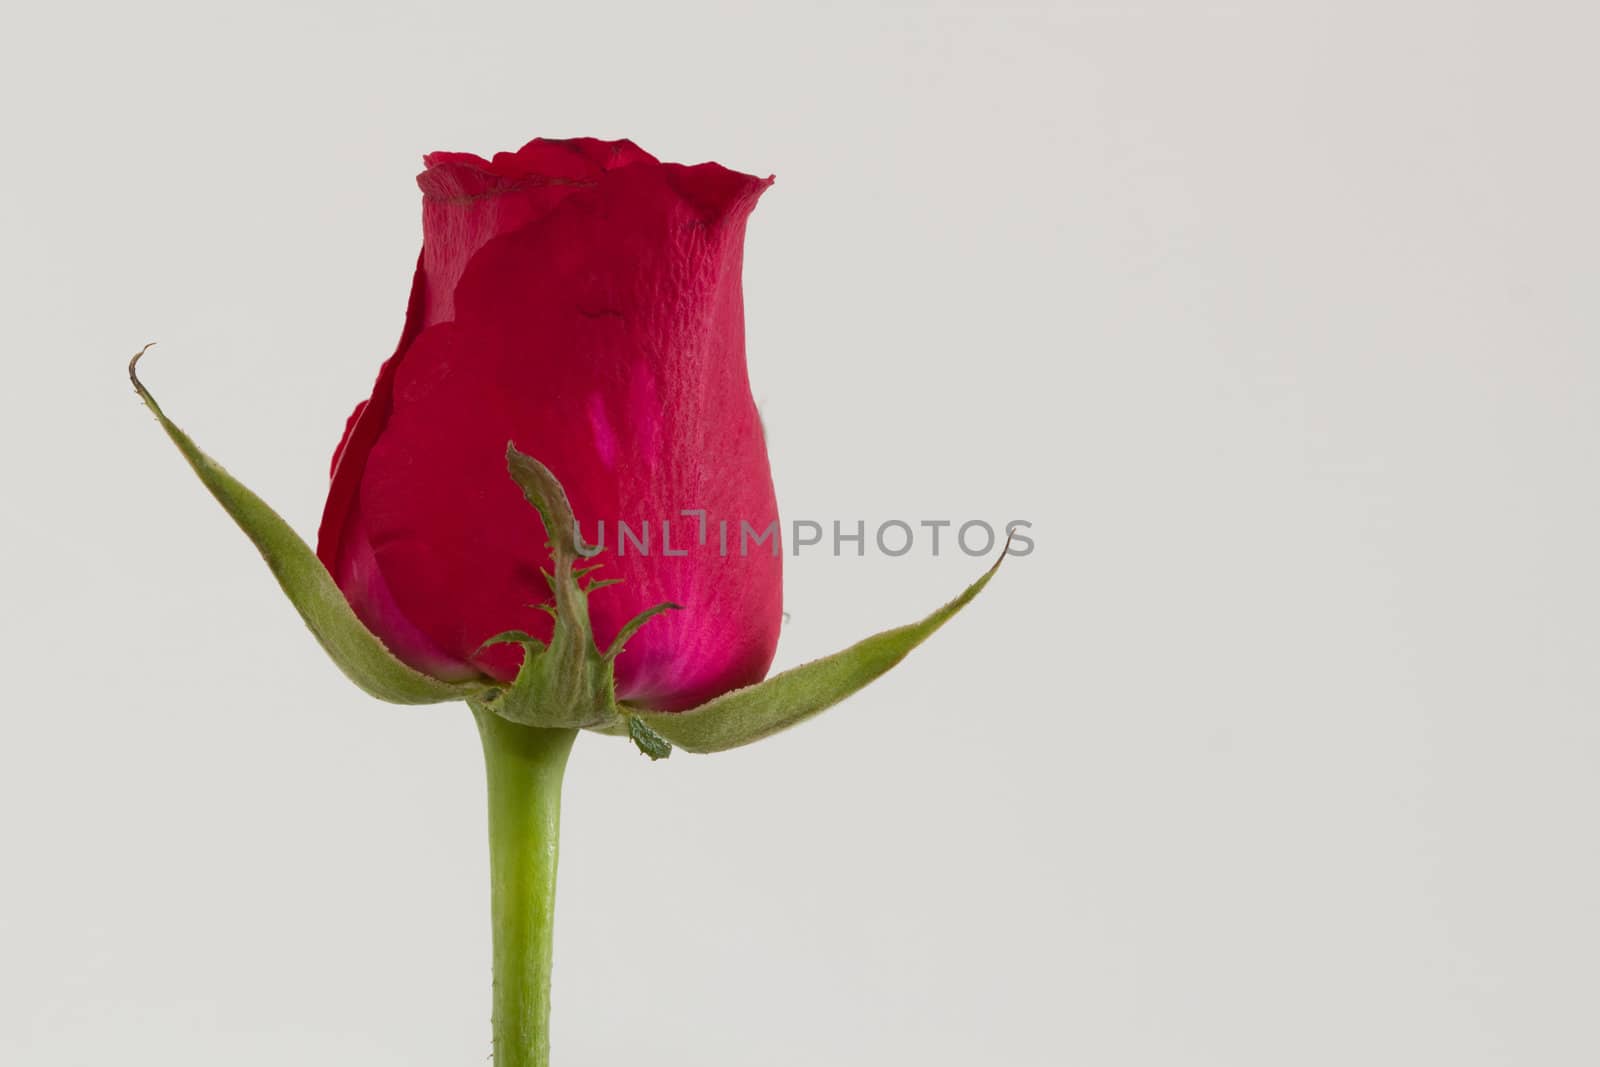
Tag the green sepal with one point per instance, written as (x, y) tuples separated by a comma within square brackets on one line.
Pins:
[(760, 710), (569, 682), (354, 649)]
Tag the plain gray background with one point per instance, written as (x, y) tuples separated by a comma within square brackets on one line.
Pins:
[(1277, 320)]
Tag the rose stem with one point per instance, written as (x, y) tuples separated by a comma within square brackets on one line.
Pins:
[(524, 766)]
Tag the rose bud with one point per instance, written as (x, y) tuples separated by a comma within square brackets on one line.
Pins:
[(573, 348), (583, 301)]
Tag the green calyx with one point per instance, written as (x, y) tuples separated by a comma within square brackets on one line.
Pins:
[(569, 682)]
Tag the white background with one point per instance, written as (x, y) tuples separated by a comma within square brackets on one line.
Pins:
[(1276, 319)]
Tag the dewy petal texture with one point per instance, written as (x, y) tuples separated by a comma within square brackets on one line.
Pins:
[(583, 301)]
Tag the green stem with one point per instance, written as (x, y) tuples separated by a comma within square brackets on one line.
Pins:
[(524, 765)]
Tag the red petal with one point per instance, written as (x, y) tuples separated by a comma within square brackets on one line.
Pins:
[(467, 201)]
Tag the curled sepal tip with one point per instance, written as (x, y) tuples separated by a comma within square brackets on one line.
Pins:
[(356, 650)]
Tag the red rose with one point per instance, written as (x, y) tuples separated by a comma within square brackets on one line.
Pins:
[(581, 300)]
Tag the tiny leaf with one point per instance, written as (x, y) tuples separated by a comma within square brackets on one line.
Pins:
[(513, 637), (649, 742), (633, 625)]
